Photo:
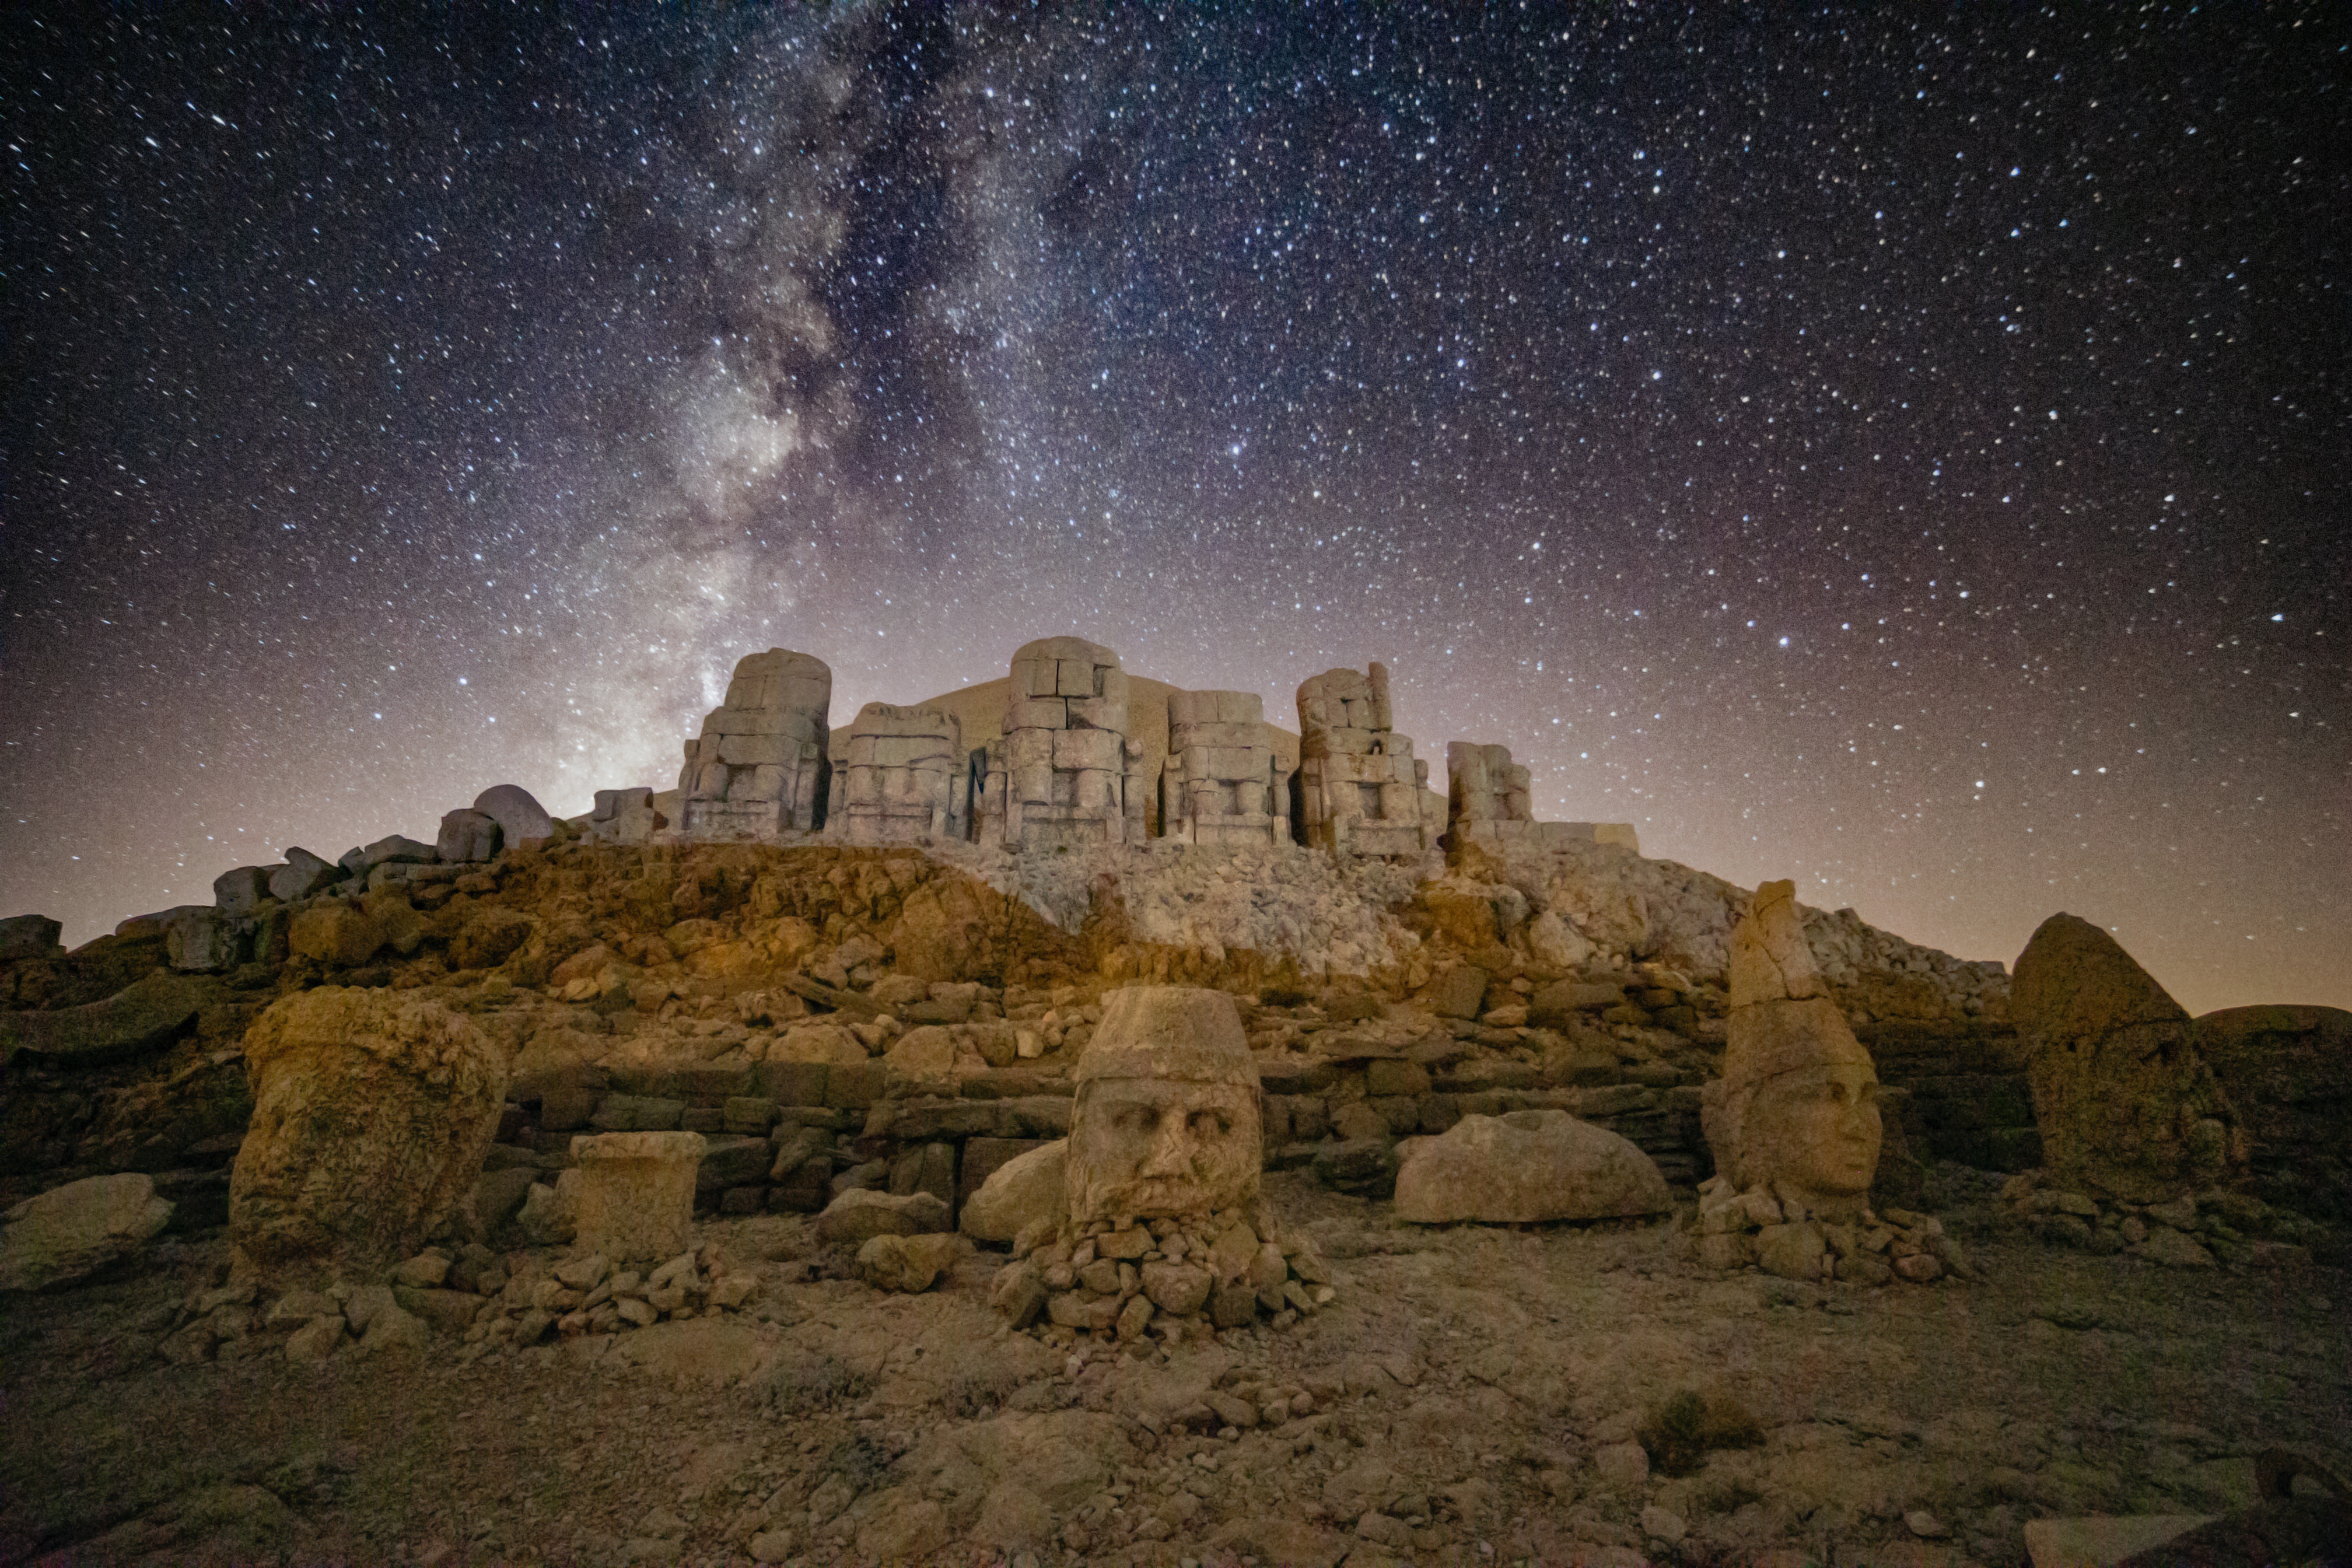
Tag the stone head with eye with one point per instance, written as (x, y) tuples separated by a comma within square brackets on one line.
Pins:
[(1802, 1103), (1167, 1118)]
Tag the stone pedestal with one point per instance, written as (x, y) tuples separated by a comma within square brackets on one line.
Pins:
[(637, 1193)]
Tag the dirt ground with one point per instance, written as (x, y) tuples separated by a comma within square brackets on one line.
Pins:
[(1472, 1396)]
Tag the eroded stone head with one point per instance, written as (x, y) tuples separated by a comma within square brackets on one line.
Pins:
[(1797, 1107), (1167, 1119)]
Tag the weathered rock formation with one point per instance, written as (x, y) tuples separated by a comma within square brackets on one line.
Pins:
[(370, 1116), (1360, 789), (759, 767), (1224, 782), (2287, 1070), (2127, 1107), (1489, 800), (903, 776), (1063, 775)]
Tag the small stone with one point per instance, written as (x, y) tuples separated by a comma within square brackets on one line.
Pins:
[(1129, 1243), (1663, 1524), (316, 1339), (1919, 1268), (583, 1273), (772, 1546), (1926, 1525), (1233, 1306), (1180, 1288), (636, 1310), (1235, 1250), (2174, 1250), (1134, 1318)]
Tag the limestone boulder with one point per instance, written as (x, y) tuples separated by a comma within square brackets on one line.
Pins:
[(373, 1110), (335, 933), (859, 1215), (468, 835), (1023, 1191), (635, 1196), (142, 1016), (69, 1232), (241, 890), (200, 940), (2126, 1104), (911, 1264), (520, 816), (302, 875), (1526, 1167)]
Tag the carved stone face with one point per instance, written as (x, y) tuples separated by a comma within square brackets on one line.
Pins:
[(1145, 1147), (1817, 1131)]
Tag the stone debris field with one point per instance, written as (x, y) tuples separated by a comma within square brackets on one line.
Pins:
[(1074, 1121)]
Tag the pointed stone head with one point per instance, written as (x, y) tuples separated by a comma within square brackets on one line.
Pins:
[(1167, 1119), (1797, 1107)]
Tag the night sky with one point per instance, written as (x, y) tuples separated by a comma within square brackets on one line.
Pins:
[(1908, 457)]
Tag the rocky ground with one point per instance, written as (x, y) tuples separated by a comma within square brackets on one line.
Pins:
[(1476, 1394)]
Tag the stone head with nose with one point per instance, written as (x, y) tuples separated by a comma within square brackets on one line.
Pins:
[(1167, 1119)]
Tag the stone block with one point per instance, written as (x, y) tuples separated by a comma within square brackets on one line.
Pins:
[(731, 1159), (467, 836), (241, 891), (790, 1083), (849, 1087), (634, 1200), (636, 1113), (1034, 714)]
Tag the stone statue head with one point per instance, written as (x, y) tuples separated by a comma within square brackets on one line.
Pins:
[(1797, 1106), (1800, 1106), (1167, 1119)]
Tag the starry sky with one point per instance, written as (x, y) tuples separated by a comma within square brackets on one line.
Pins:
[(1906, 455)]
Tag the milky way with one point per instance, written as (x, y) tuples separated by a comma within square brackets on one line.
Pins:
[(1909, 458)]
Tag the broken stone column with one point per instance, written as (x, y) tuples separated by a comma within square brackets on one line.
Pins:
[(1487, 795), (1796, 1112), (2127, 1107), (1224, 782), (1064, 774), (758, 768), (1490, 800), (635, 1198), (1360, 789), (903, 776)]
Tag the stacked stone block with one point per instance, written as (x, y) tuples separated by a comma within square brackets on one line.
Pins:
[(1064, 774), (1489, 801), (1224, 783), (758, 768), (903, 776), (1360, 789)]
